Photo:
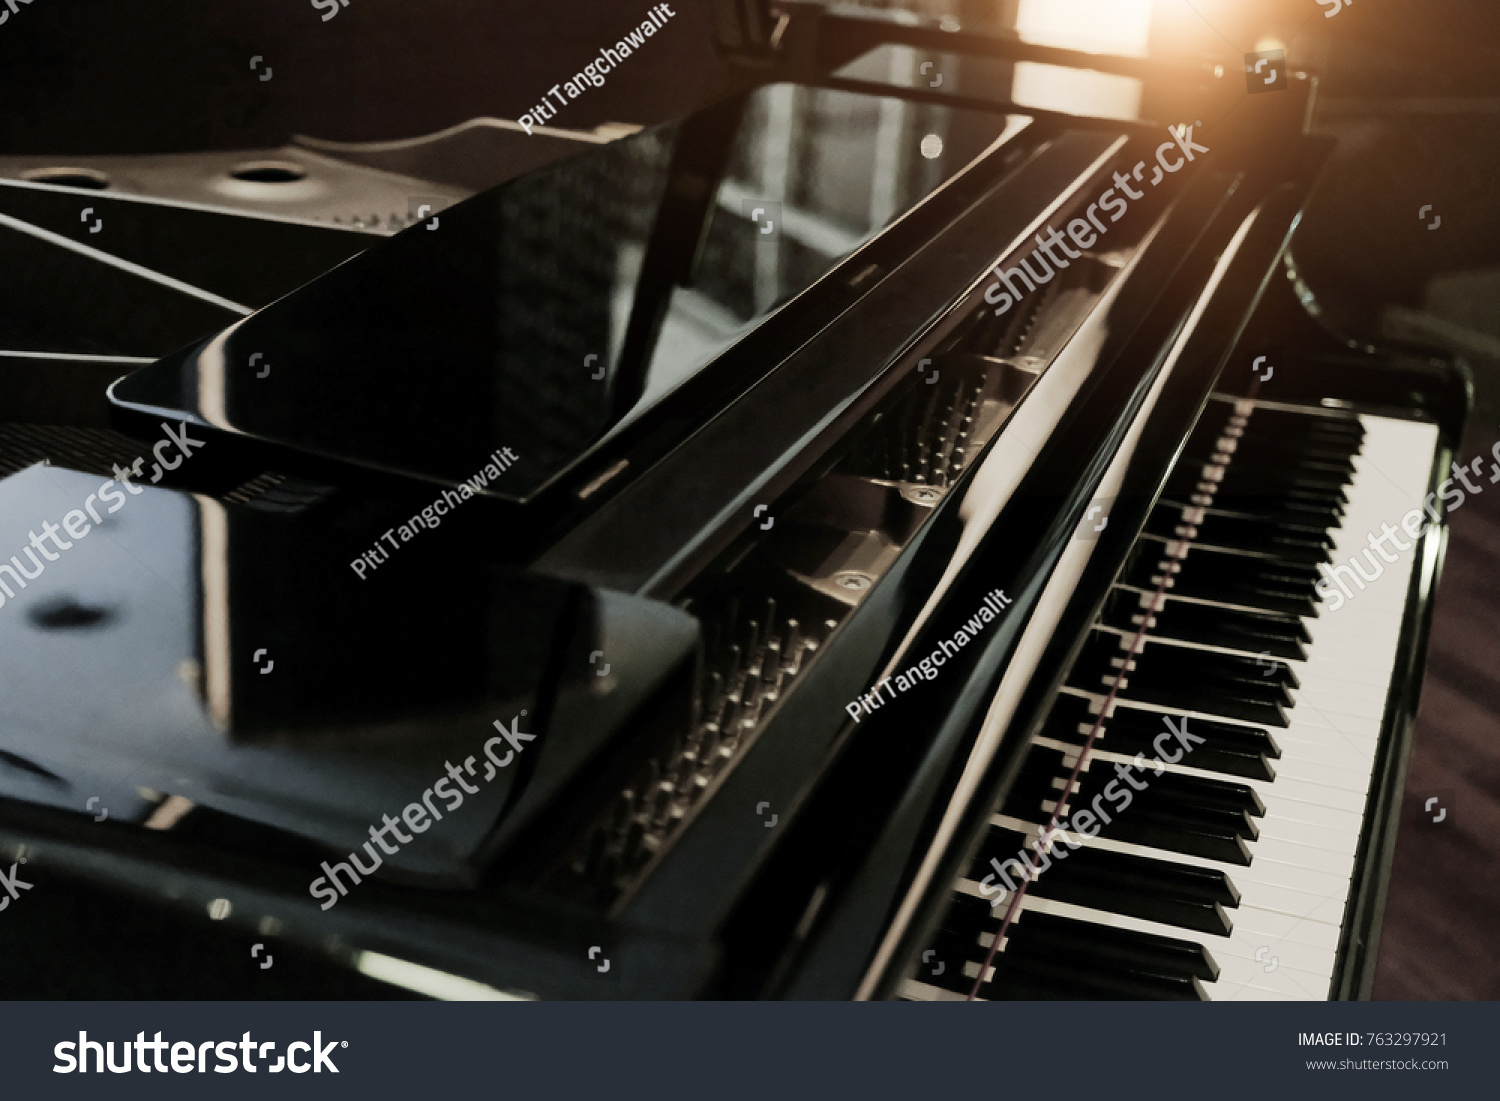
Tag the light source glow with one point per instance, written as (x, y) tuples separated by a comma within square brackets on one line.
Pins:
[(430, 981), (1121, 27), (1098, 26)]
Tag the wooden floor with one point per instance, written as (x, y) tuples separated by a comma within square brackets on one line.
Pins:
[(1441, 938)]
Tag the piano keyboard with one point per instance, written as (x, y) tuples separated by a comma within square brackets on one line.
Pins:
[(1228, 874)]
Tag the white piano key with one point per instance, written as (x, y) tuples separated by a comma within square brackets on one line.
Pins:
[(1289, 786), (1325, 909), (1294, 893), (1314, 783), (1313, 818), (1263, 923), (1342, 703), (1241, 979), (1244, 942), (1280, 828), (1326, 748), (1243, 993), (1308, 958), (917, 991), (1309, 881), (1302, 856), (1345, 779)]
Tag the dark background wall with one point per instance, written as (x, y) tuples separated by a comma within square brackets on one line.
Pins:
[(155, 76)]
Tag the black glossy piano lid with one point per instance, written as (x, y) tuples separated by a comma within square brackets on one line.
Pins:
[(548, 312), (223, 653)]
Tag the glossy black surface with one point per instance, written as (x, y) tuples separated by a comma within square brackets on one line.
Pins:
[(637, 262), (188, 244), (226, 653), (378, 683), (921, 783)]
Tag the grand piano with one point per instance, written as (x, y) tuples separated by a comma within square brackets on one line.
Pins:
[(673, 570)]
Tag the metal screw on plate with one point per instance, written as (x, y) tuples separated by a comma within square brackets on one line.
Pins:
[(852, 580), (925, 493)]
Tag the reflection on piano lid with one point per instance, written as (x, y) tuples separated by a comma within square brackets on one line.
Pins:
[(548, 311), (234, 661), (1025, 84)]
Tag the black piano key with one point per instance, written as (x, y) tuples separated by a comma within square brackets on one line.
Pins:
[(1091, 944), (1242, 480), (1233, 750), (1286, 422), (1156, 890), (1198, 792), (1229, 701), (1157, 655), (1099, 889), (1038, 970), (1155, 812), (1033, 784), (1172, 519), (1243, 486), (1226, 578), (1264, 441), (1247, 476), (1324, 515), (1278, 463), (1221, 702), (1179, 834), (1176, 677), (1260, 473), (969, 928), (1267, 549), (1278, 635), (1214, 800), (1243, 533), (1277, 449), (1172, 806), (1314, 444), (1156, 822), (1023, 979), (1147, 876), (1134, 723), (1153, 550), (1133, 730), (1277, 513)]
